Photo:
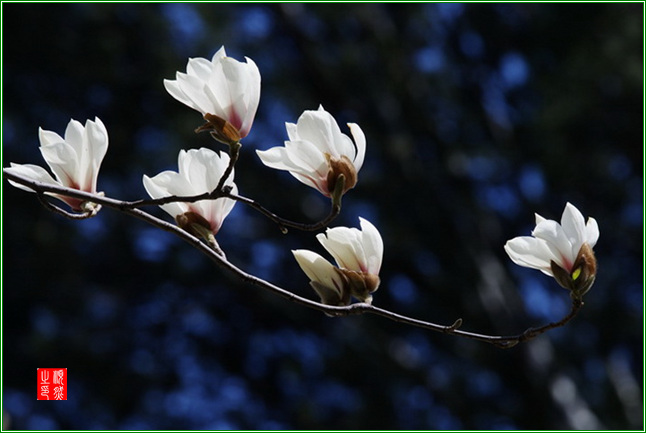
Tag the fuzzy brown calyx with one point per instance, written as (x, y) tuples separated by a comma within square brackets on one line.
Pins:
[(340, 166), (360, 284), (582, 276)]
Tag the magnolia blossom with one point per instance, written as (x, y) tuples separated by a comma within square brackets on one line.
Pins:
[(358, 255), (224, 90), (199, 172), (74, 160), (563, 251), (318, 153)]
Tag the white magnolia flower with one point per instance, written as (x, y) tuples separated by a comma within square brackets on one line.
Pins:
[(563, 251), (199, 172), (317, 152), (74, 160), (358, 254), (223, 90)]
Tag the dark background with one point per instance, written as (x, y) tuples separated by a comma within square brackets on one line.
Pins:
[(476, 117)]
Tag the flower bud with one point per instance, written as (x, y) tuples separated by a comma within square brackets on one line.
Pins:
[(584, 271)]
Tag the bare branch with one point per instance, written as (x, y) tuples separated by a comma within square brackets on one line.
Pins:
[(217, 256)]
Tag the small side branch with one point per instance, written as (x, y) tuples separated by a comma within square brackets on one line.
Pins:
[(283, 223)]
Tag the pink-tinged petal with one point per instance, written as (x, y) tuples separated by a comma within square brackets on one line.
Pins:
[(39, 174), (62, 159), (215, 211), (551, 232)]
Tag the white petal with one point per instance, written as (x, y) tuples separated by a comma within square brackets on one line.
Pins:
[(49, 137), (530, 252), (158, 187), (74, 135), (196, 92), (93, 153), (219, 54), (275, 157), (62, 159), (591, 232), (318, 269), (316, 127), (251, 97), (173, 88), (373, 246), (33, 172), (200, 68), (292, 131), (573, 226), (215, 211), (539, 219), (194, 168), (360, 142), (344, 245)]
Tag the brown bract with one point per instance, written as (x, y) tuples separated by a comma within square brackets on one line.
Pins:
[(221, 129)]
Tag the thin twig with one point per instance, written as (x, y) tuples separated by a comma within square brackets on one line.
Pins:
[(353, 309), (283, 223), (71, 215)]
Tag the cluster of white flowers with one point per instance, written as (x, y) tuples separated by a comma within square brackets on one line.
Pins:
[(227, 92)]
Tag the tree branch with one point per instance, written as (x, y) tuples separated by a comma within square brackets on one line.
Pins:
[(218, 257)]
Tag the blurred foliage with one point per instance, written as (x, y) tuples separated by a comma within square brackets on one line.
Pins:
[(476, 115)]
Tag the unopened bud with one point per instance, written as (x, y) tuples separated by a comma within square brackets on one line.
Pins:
[(582, 276), (91, 209)]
